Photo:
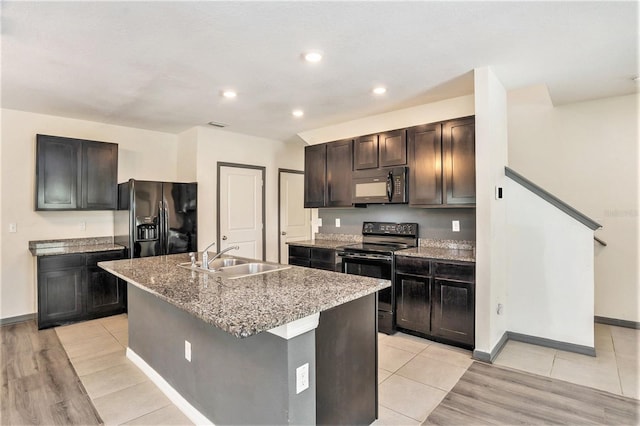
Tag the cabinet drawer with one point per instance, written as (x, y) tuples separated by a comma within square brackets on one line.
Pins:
[(413, 265), (327, 266), (298, 261), (323, 255), (103, 256), (63, 261), (455, 271), (298, 251)]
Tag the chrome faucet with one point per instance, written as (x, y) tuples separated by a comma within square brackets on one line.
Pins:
[(205, 256)]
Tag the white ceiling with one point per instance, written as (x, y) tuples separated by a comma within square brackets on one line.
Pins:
[(162, 65)]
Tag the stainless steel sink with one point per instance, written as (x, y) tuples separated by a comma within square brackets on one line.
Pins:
[(215, 265), (233, 268), (253, 268)]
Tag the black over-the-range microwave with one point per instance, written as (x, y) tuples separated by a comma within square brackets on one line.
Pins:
[(380, 186)]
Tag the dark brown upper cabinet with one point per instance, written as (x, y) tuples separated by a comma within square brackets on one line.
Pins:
[(327, 174), (315, 175), (365, 155), (75, 174), (425, 165), (382, 150), (339, 160), (392, 147), (442, 164), (459, 157)]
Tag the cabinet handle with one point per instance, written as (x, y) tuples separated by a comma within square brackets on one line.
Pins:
[(224, 237), (284, 233)]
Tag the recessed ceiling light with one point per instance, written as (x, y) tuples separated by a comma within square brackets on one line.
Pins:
[(380, 90), (297, 113), (229, 94), (313, 56)]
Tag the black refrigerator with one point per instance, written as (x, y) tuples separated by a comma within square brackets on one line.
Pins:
[(156, 218)]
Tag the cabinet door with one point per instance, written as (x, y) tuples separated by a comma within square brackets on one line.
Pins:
[(99, 175), (59, 296), (105, 292), (425, 154), (365, 152), (339, 163), (393, 148), (57, 161), (458, 142), (413, 299), (315, 175), (454, 311)]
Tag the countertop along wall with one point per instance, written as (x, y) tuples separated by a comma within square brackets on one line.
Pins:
[(142, 154)]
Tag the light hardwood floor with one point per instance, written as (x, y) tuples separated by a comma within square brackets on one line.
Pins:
[(492, 395), (39, 386), (418, 378)]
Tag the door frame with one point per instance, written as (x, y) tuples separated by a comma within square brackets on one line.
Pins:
[(280, 171), (263, 169)]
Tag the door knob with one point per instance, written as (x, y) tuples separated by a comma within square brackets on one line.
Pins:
[(224, 237), (284, 233)]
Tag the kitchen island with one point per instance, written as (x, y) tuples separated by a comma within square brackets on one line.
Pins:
[(243, 351)]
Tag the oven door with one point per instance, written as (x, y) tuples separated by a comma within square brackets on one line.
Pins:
[(371, 265)]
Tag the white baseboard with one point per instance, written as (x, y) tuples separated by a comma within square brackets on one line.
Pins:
[(183, 405)]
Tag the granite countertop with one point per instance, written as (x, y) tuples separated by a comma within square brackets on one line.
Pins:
[(72, 246), (331, 244), (243, 306), (440, 253), (330, 241)]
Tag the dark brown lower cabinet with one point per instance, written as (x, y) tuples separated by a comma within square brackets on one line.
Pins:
[(314, 257), (413, 302), (436, 299), (73, 288)]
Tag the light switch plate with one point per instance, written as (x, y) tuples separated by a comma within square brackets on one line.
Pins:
[(83, 226), (455, 225), (319, 221), (187, 350), (13, 227), (337, 222)]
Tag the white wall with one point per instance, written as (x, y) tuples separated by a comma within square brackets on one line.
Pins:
[(429, 113), (187, 155), (587, 155), (491, 254), (215, 146), (142, 154), (550, 270)]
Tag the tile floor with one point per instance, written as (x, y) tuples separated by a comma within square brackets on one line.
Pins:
[(414, 374), (615, 368)]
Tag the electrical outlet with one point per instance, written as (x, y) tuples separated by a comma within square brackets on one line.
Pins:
[(83, 226), (13, 227), (455, 225), (319, 221), (337, 222), (302, 378), (187, 350), (500, 309)]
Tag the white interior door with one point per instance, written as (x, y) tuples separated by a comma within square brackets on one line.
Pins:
[(240, 218), (295, 220)]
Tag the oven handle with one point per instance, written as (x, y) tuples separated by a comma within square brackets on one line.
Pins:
[(364, 256)]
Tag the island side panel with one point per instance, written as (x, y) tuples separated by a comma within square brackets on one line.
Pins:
[(347, 363), (229, 380)]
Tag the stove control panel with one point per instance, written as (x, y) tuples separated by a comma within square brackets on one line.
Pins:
[(388, 228)]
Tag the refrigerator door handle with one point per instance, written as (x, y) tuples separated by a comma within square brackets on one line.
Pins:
[(166, 227), (161, 236)]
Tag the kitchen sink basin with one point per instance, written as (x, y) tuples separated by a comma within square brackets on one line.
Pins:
[(215, 265), (253, 268), (234, 268)]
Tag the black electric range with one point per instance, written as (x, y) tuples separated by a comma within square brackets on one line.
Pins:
[(374, 258)]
